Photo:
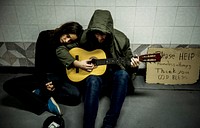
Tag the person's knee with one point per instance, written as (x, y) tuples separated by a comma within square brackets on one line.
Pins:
[(122, 74), (121, 79), (76, 94), (93, 80), (93, 83)]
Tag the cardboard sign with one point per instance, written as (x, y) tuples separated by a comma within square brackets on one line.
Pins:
[(177, 66)]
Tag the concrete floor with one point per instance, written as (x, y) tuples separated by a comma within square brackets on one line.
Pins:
[(152, 106)]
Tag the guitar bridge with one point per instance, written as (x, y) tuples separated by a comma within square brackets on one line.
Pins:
[(77, 58)]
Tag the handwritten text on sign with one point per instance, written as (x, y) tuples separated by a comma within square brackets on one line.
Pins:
[(177, 66)]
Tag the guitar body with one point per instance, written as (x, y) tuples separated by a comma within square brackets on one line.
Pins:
[(77, 75)]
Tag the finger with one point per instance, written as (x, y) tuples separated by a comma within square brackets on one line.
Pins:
[(89, 70), (134, 62)]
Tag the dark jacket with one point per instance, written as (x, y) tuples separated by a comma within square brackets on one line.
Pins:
[(117, 45), (46, 60)]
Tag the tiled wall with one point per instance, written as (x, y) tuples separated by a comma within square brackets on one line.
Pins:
[(17, 54), (23, 53), (146, 22)]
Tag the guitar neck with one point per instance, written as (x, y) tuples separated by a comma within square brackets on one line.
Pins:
[(109, 61), (142, 58)]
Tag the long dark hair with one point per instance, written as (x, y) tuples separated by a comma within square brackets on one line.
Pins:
[(68, 28)]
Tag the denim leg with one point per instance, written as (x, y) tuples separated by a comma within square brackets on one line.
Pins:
[(91, 101), (68, 94), (119, 90)]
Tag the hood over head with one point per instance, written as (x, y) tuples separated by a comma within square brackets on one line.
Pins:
[(101, 21)]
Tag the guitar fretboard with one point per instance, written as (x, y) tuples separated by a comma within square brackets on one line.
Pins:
[(142, 58), (109, 61)]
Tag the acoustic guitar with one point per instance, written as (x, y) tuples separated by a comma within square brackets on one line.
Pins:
[(98, 58)]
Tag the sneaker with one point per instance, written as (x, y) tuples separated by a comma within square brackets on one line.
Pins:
[(53, 106)]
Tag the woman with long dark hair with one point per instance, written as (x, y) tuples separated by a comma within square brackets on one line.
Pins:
[(48, 84)]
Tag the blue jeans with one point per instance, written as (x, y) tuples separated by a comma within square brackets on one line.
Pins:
[(94, 84)]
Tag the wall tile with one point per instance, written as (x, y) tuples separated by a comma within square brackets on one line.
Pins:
[(17, 46), (26, 45), (29, 33), (145, 16), (30, 50), (195, 36), (146, 3), (198, 19), (64, 2), (125, 16), (162, 35), (10, 46), (8, 15), (22, 62), (168, 2), (125, 3), (186, 16), (189, 3), (8, 58), (181, 35), (26, 14), (84, 14), (7, 2), (44, 2), (1, 35), (105, 2), (85, 2), (23, 2), (30, 62), (16, 54), (143, 35), (15, 62), (46, 14), (3, 49), (11, 33), (165, 16), (65, 14), (3, 62)]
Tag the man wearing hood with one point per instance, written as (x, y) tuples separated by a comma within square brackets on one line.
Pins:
[(100, 34)]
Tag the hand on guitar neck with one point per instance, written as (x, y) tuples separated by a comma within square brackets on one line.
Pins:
[(135, 62)]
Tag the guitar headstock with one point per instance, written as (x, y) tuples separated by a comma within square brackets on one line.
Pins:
[(154, 57)]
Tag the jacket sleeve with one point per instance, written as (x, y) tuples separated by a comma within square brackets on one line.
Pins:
[(129, 54), (64, 56), (127, 50)]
